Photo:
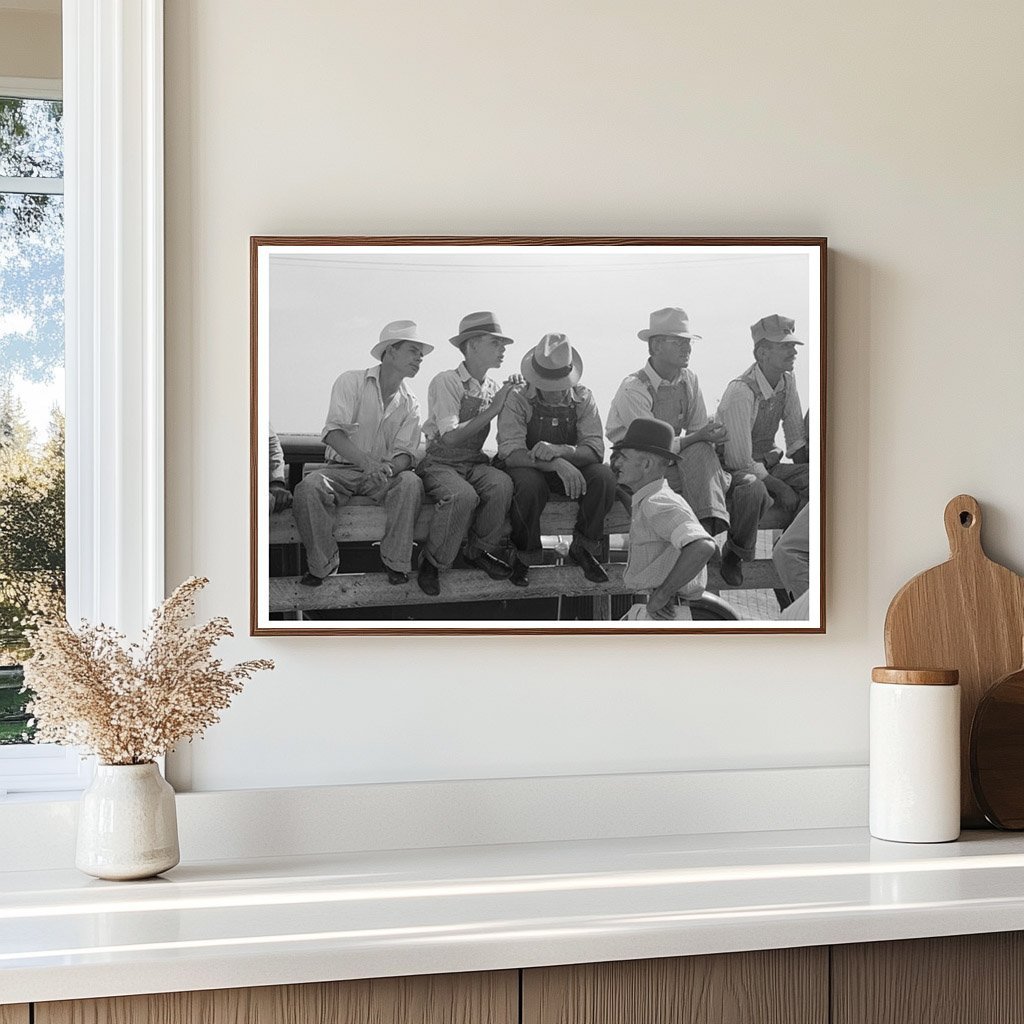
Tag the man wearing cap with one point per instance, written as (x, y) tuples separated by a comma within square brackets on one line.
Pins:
[(550, 439), (668, 548), (666, 388), (372, 436), (471, 496), (753, 407)]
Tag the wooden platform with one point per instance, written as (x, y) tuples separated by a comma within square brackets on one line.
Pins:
[(362, 522)]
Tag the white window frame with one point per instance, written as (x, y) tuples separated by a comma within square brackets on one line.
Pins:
[(114, 336)]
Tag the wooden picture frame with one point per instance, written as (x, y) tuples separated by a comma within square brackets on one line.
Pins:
[(318, 306)]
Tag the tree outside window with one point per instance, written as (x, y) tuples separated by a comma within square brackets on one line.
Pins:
[(31, 386)]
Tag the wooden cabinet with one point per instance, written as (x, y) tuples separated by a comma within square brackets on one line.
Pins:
[(963, 979), (491, 998), (778, 986), (968, 979)]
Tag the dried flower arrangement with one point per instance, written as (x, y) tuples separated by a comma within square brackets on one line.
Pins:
[(129, 704)]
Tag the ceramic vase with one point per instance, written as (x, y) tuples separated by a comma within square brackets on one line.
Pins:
[(127, 825)]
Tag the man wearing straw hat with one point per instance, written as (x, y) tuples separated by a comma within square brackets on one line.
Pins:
[(372, 436), (667, 389), (754, 406), (550, 438), (471, 496)]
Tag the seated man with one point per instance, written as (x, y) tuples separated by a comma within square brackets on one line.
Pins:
[(372, 435), (668, 548), (549, 438), (472, 496), (792, 555), (753, 407), (667, 389), (280, 496)]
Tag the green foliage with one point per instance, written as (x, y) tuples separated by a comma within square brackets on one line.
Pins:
[(31, 525)]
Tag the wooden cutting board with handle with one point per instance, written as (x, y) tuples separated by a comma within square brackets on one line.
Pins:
[(967, 614)]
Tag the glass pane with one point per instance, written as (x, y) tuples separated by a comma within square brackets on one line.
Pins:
[(31, 432), (31, 138)]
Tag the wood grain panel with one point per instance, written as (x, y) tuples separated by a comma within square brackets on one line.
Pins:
[(481, 998), (14, 1014), (962, 979), (967, 614), (779, 986)]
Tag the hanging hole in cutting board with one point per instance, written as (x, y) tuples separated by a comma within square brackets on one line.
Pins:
[(966, 519)]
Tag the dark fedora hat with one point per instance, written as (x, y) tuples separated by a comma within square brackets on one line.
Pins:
[(646, 434)]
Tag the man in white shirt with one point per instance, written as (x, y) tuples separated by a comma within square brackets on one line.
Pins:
[(471, 496), (280, 496), (668, 548), (372, 436), (754, 406), (667, 389)]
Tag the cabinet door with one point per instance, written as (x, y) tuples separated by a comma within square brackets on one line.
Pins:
[(483, 998), (14, 1014), (962, 979), (778, 986)]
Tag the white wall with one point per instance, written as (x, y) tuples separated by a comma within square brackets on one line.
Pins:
[(894, 129), (30, 42)]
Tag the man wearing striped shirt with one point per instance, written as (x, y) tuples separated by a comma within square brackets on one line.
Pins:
[(754, 406)]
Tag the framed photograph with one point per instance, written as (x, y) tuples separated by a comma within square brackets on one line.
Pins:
[(537, 435)]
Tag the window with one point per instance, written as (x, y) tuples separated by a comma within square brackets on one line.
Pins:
[(113, 334), (32, 562)]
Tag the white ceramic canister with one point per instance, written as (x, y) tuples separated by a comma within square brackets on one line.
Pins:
[(915, 755)]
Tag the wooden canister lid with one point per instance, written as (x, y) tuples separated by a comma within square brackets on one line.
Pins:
[(916, 676)]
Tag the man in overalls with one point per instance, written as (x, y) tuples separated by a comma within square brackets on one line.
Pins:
[(471, 496), (753, 407), (550, 439), (666, 389)]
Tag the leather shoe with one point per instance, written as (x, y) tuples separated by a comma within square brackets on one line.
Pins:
[(732, 569), (428, 579), (492, 565), (309, 580), (520, 574), (592, 568), (395, 576)]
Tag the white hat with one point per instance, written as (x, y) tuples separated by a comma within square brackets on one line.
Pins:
[(396, 331), (553, 365), (672, 321)]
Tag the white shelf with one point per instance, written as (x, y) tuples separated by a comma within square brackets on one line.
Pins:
[(223, 924)]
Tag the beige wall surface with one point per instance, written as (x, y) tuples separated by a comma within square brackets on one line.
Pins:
[(29, 44), (893, 129)]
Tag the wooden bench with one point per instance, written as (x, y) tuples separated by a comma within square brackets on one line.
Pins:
[(362, 522)]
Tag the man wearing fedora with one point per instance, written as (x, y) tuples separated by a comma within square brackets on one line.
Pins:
[(550, 439), (372, 436), (471, 496), (668, 548), (667, 389), (754, 406)]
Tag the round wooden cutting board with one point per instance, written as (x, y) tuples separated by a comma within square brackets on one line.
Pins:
[(967, 614), (997, 752)]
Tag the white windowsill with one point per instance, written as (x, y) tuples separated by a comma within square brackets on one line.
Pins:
[(289, 920)]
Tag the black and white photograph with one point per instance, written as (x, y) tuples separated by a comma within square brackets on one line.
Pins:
[(537, 435)]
